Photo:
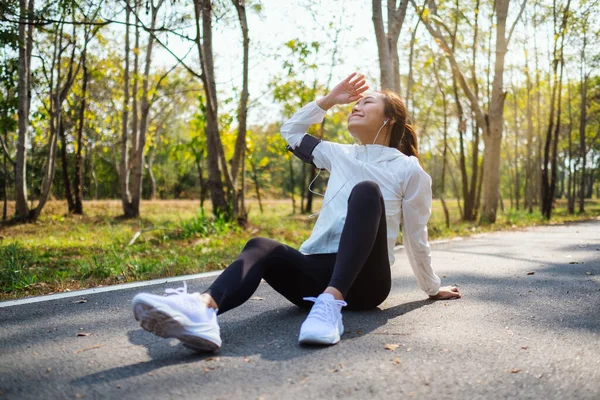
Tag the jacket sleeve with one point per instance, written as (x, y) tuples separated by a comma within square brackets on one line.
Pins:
[(294, 129), (416, 210)]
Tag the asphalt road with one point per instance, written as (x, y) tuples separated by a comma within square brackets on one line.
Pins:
[(528, 327)]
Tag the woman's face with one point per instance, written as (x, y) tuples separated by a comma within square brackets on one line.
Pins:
[(366, 118)]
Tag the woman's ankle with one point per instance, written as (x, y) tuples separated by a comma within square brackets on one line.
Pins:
[(208, 300), (334, 292)]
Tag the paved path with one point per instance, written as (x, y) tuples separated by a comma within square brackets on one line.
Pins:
[(527, 327)]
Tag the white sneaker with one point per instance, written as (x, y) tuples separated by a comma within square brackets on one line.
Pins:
[(324, 322), (180, 315)]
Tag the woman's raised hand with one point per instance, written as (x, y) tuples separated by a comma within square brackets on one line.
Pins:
[(347, 91)]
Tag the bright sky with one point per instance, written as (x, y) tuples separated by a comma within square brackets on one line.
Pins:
[(281, 21)]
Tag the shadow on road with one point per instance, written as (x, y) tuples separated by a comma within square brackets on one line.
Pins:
[(278, 343), (360, 322)]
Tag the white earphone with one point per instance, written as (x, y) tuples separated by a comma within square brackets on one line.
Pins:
[(376, 136)]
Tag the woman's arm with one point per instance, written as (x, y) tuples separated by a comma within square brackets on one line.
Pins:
[(416, 210), (294, 129)]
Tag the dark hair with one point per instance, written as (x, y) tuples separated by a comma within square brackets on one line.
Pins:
[(403, 136)]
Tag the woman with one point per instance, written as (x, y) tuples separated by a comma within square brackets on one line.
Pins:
[(372, 189)]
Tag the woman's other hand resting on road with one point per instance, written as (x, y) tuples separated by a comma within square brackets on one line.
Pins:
[(447, 293)]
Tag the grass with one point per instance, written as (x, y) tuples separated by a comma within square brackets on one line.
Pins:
[(62, 252)]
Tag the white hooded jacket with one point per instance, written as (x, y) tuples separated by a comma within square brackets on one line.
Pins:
[(405, 186)]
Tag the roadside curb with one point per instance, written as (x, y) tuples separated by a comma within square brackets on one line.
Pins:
[(122, 286)]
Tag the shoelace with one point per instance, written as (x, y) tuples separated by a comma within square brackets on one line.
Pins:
[(323, 309), (181, 290)]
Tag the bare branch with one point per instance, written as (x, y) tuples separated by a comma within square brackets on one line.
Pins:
[(151, 32), (5, 149), (512, 28)]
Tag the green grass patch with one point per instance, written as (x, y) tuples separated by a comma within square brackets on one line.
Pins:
[(62, 252)]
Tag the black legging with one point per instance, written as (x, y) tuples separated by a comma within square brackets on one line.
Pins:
[(360, 269)]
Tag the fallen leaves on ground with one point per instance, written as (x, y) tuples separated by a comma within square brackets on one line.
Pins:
[(397, 361), (83, 334), (515, 371), (391, 347), (89, 348)]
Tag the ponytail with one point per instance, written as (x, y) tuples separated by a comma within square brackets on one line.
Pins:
[(408, 142), (403, 136)]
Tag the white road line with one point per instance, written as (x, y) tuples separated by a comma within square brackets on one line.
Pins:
[(102, 289), (85, 292)]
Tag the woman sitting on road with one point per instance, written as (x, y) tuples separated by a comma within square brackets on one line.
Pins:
[(372, 189)]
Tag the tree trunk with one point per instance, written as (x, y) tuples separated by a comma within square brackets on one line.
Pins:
[(492, 123), (538, 159), (139, 140), (58, 93), (124, 174), (256, 184), (529, 170), (549, 166), (492, 137), (516, 159), (387, 43), (569, 163), (203, 14), (135, 118), (444, 158), (240, 143), (78, 179), (582, 123), (65, 166), (22, 208), (293, 185), (242, 218), (150, 166), (409, 80), (5, 183), (202, 184), (94, 177)]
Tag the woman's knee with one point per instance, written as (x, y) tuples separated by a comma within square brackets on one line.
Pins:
[(365, 193), (367, 188), (264, 246), (259, 242)]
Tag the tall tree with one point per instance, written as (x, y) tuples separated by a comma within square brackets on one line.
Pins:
[(387, 42), (584, 81), (25, 42), (216, 161), (139, 139), (491, 121), (61, 79), (549, 167), (240, 142), (124, 160)]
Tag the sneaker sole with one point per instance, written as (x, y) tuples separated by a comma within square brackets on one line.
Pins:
[(163, 325), (322, 340), (319, 341)]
